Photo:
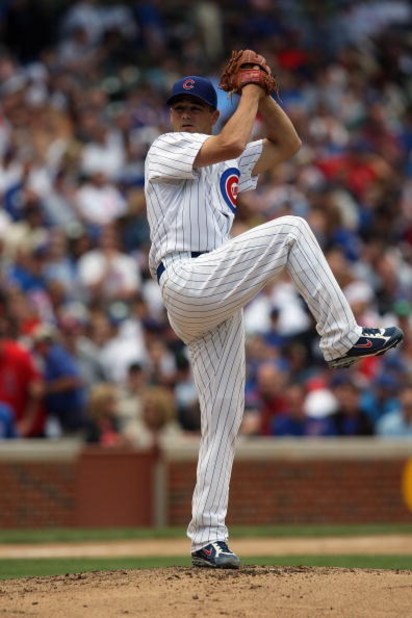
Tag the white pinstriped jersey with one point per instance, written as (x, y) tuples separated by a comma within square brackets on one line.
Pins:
[(192, 209)]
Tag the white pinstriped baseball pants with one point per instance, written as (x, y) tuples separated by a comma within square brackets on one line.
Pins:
[(204, 297)]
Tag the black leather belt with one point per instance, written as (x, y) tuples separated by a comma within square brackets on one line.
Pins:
[(161, 268)]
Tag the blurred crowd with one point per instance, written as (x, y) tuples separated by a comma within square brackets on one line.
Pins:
[(85, 346)]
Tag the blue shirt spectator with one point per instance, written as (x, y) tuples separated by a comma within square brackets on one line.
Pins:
[(7, 422), (65, 394), (398, 424), (306, 414), (381, 399)]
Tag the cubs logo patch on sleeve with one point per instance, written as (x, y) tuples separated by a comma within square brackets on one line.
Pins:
[(229, 183)]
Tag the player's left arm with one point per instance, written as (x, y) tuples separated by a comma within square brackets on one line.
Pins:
[(281, 140)]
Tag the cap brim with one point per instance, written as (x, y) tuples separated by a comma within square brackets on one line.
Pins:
[(182, 95)]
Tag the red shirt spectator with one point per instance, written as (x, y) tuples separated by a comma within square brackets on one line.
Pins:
[(358, 169), (267, 398), (21, 386)]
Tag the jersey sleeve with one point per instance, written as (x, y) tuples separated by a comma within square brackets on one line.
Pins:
[(172, 155), (246, 163)]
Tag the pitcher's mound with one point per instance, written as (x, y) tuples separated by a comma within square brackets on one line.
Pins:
[(252, 591)]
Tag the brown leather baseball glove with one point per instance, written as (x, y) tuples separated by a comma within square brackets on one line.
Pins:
[(239, 71)]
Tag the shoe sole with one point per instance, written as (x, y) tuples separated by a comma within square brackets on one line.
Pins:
[(199, 562), (344, 363)]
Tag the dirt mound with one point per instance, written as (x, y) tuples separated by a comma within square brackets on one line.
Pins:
[(252, 591)]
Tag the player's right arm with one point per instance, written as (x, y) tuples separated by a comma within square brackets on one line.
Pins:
[(237, 132), (281, 139)]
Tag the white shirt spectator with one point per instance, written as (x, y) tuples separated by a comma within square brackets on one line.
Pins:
[(117, 276), (100, 202), (293, 318), (118, 354), (106, 157), (85, 14)]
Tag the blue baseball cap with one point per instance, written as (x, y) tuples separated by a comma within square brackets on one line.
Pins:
[(194, 86)]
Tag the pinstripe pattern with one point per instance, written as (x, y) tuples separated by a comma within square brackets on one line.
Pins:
[(219, 372), (202, 292), (185, 207), (193, 210), (204, 297)]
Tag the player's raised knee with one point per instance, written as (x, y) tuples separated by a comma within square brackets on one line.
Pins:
[(293, 221)]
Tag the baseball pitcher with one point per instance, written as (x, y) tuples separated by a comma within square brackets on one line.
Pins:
[(192, 179)]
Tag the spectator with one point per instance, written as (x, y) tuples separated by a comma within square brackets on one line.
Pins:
[(118, 351), (21, 384), (58, 205), (103, 156), (306, 414), (134, 326), (59, 266), (257, 313), (293, 420), (64, 386), (158, 416), (381, 398), (85, 14), (398, 423), (358, 168), (161, 362), (73, 334), (320, 406), (8, 427), (23, 311), (107, 425), (360, 296), (102, 425), (107, 272), (300, 359), (130, 394), (76, 52), (294, 319), (267, 400), (187, 402), (350, 419), (99, 201)]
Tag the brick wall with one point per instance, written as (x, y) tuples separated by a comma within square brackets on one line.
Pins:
[(273, 492), (64, 485), (299, 483), (36, 494)]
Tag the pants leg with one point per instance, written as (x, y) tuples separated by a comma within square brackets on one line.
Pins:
[(204, 298), (200, 293), (218, 364)]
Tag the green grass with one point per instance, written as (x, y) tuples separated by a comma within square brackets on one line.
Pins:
[(16, 568), (55, 535)]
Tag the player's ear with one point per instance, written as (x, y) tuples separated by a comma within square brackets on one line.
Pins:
[(215, 116)]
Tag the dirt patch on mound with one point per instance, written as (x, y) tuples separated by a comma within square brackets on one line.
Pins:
[(250, 592), (253, 591)]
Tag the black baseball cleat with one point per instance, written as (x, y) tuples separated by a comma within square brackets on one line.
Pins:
[(216, 555), (372, 342)]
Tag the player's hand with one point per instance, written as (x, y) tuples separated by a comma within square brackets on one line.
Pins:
[(247, 67), (253, 90)]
